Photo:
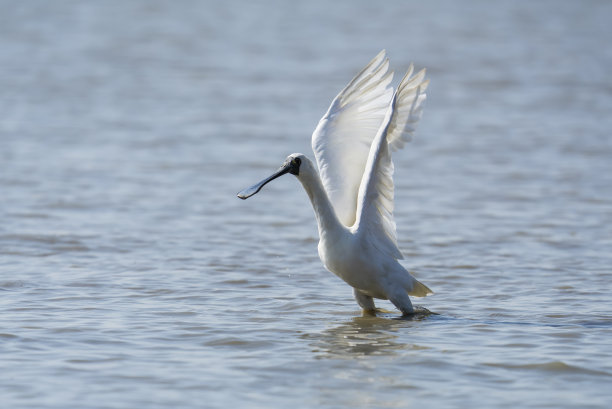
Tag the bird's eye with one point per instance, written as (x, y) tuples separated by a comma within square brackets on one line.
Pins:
[(297, 161)]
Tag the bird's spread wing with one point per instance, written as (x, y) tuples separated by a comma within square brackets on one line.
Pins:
[(375, 198), (408, 108), (341, 142)]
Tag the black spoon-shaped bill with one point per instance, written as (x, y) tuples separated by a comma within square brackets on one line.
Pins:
[(250, 191)]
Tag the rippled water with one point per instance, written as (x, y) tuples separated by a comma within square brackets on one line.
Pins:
[(131, 276)]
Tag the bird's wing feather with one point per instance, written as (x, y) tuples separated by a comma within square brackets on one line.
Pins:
[(343, 137), (375, 198), (408, 108)]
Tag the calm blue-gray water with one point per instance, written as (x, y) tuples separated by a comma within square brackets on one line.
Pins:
[(132, 277)]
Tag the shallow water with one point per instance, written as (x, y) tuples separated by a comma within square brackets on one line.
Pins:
[(131, 275)]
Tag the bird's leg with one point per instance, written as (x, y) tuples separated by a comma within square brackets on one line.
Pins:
[(402, 302), (365, 301)]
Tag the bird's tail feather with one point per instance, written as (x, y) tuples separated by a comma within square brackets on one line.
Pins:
[(419, 289)]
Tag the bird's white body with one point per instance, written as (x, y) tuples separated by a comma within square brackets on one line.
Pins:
[(352, 190), (348, 253)]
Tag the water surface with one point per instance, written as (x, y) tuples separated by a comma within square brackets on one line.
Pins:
[(131, 275)]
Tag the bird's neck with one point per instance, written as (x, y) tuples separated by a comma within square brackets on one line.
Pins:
[(327, 221)]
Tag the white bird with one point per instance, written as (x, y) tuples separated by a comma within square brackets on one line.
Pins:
[(352, 191)]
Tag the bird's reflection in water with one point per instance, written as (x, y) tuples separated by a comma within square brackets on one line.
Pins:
[(369, 334)]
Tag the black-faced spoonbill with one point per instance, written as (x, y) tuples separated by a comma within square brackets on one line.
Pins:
[(352, 191)]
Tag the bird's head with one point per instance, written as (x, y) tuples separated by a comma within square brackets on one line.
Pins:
[(292, 165)]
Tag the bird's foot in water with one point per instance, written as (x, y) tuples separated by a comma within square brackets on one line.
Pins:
[(370, 312), (418, 312), (374, 312)]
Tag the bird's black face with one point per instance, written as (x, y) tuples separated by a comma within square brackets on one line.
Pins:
[(291, 165), (295, 166)]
